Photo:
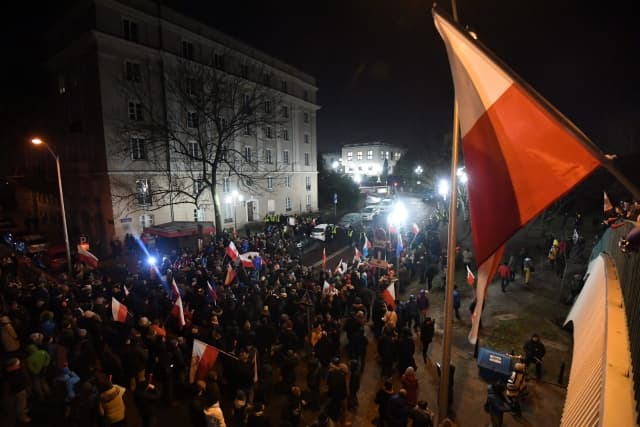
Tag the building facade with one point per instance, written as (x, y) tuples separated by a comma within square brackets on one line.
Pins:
[(368, 159), (117, 110)]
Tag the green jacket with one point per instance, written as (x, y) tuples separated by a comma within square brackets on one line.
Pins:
[(37, 360)]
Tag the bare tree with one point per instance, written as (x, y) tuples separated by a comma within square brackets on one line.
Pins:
[(201, 125)]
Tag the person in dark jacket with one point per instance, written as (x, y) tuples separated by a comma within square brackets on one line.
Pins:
[(147, 397), (421, 415), (354, 383), (257, 418), (17, 380), (337, 389), (534, 351), (426, 336), (398, 410), (496, 405), (382, 400)]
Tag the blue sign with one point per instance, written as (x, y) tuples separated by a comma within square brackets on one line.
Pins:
[(335, 198)]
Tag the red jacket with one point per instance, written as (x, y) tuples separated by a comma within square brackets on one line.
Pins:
[(504, 271)]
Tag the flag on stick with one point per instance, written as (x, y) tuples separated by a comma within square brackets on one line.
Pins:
[(399, 246), (357, 255), (87, 257), (232, 251), (366, 246), (415, 229), (521, 153), (203, 357), (118, 311), (471, 279), (338, 267), (324, 258), (231, 275), (178, 309), (389, 295), (608, 207), (213, 294)]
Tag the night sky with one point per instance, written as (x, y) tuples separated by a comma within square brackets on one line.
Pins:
[(382, 69)]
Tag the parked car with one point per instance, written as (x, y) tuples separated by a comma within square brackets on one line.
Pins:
[(372, 200), (320, 232), (369, 212), (353, 219)]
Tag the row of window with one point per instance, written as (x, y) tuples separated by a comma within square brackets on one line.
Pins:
[(130, 32), (144, 195), (138, 149), (384, 155)]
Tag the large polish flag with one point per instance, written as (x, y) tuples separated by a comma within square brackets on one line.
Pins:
[(87, 257), (203, 357), (520, 153), (248, 259), (389, 295), (118, 311)]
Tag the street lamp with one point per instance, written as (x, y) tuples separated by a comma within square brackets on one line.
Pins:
[(443, 188), (234, 198), (38, 141), (418, 170)]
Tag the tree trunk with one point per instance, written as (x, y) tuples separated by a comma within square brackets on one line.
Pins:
[(215, 202)]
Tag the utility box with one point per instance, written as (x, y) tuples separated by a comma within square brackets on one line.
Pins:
[(494, 366)]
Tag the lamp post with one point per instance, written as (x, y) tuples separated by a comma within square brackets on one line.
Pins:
[(38, 141)]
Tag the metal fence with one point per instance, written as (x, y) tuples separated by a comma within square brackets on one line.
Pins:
[(628, 268)]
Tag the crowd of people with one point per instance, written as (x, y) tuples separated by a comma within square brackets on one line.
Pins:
[(272, 320)]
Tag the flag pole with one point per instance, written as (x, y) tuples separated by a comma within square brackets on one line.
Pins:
[(445, 373)]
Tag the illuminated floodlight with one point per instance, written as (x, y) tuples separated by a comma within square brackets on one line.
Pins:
[(443, 188), (151, 260), (398, 215), (462, 175), (357, 179), (335, 165)]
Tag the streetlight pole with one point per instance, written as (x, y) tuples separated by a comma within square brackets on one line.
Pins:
[(38, 141)]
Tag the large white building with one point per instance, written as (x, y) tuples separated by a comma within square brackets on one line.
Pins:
[(104, 46), (368, 159)]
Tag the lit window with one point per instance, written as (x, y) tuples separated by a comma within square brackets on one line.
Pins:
[(143, 193), (370, 155), (359, 155), (349, 156)]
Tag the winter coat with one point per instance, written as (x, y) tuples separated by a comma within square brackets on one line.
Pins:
[(37, 360), (337, 381), (397, 411), (112, 405), (426, 331), (410, 383), (69, 379)]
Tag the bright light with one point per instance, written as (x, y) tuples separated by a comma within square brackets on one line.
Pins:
[(379, 169), (398, 215), (228, 199), (36, 141), (443, 188), (234, 193), (335, 165), (418, 170), (462, 175), (151, 260), (357, 179), (418, 182)]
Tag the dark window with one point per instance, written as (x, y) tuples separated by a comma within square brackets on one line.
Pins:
[(130, 30), (187, 50)]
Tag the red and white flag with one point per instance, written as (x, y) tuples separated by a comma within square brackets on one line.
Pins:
[(126, 290), (357, 255), (471, 279), (212, 292), (247, 259), (324, 258), (118, 311), (415, 229), (520, 153), (338, 269), (203, 357), (178, 309), (87, 257), (389, 295), (231, 275), (232, 251)]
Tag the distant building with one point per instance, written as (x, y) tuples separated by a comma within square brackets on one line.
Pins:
[(368, 159), (102, 45)]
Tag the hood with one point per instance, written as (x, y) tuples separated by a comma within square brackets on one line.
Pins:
[(31, 348)]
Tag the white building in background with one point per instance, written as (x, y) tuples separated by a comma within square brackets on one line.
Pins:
[(368, 159), (100, 45)]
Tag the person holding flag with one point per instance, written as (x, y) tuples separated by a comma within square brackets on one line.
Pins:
[(177, 310), (366, 246)]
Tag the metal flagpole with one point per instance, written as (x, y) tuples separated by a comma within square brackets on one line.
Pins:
[(445, 373)]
